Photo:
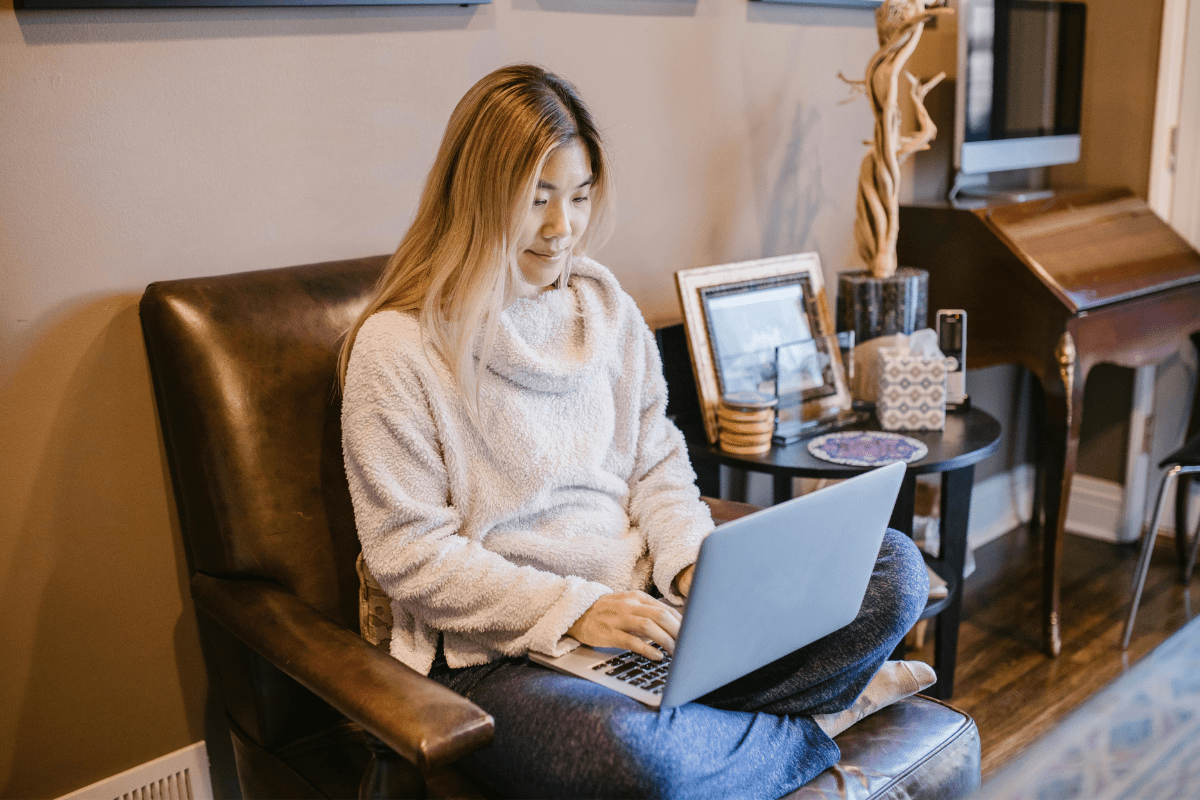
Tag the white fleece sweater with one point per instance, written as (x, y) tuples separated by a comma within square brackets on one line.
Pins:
[(583, 486)]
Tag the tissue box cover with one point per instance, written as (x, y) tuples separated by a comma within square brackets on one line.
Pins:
[(912, 392)]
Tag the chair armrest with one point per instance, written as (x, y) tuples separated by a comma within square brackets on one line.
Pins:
[(727, 510), (420, 719)]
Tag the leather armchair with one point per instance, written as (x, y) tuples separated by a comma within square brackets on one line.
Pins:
[(244, 377)]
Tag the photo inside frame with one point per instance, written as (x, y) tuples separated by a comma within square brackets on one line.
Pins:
[(804, 371), (766, 337)]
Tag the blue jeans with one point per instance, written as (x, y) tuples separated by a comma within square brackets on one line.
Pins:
[(561, 736)]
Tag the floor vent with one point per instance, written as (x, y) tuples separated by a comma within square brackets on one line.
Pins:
[(182, 775)]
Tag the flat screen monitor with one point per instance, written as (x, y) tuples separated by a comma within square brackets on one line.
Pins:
[(1020, 87)]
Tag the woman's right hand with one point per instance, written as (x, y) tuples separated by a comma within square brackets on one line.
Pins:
[(627, 620)]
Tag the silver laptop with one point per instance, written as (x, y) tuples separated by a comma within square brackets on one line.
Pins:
[(765, 585)]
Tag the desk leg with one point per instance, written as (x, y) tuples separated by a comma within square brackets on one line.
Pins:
[(902, 520), (1064, 408), (1057, 493), (783, 488), (956, 510), (906, 503)]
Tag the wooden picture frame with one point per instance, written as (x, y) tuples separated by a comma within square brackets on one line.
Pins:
[(736, 315)]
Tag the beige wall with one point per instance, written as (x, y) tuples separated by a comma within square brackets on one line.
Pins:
[(1118, 96), (143, 145)]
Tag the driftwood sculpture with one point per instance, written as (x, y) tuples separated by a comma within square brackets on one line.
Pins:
[(899, 23)]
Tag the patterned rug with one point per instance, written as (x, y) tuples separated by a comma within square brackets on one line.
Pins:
[(1138, 738)]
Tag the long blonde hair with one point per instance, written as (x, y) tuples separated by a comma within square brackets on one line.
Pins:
[(456, 266)]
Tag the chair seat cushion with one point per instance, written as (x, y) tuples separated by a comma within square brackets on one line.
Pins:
[(915, 748)]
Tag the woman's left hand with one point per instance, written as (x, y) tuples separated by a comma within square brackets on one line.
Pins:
[(683, 581)]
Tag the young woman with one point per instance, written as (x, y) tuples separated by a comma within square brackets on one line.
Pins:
[(518, 487)]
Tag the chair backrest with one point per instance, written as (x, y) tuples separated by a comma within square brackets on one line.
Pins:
[(244, 371), (683, 402)]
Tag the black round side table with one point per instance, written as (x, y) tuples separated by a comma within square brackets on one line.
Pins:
[(969, 437)]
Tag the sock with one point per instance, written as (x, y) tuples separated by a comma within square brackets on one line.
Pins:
[(895, 680)]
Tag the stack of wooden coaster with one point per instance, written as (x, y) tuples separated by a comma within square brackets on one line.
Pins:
[(746, 421)]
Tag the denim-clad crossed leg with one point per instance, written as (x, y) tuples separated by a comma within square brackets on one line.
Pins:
[(561, 736), (558, 736)]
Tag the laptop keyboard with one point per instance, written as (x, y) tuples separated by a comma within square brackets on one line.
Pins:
[(637, 670)]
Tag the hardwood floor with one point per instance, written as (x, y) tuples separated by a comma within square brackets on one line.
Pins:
[(1004, 680)]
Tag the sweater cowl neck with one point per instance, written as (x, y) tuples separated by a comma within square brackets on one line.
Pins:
[(554, 341)]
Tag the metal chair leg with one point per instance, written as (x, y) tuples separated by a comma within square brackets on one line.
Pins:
[(1191, 562), (1148, 537), (1181, 531), (1181, 524)]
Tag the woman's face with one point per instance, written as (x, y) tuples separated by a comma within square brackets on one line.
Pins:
[(559, 216)]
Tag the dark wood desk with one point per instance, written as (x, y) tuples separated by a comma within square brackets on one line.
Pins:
[(969, 437), (1058, 286)]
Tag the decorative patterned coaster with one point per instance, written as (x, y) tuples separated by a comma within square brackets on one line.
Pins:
[(866, 448)]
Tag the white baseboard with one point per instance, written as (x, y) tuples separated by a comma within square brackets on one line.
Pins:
[(1004, 501), (999, 504), (1096, 508), (182, 775)]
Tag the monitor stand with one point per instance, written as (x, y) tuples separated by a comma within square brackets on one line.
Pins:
[(971, 191), (994, 196)]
